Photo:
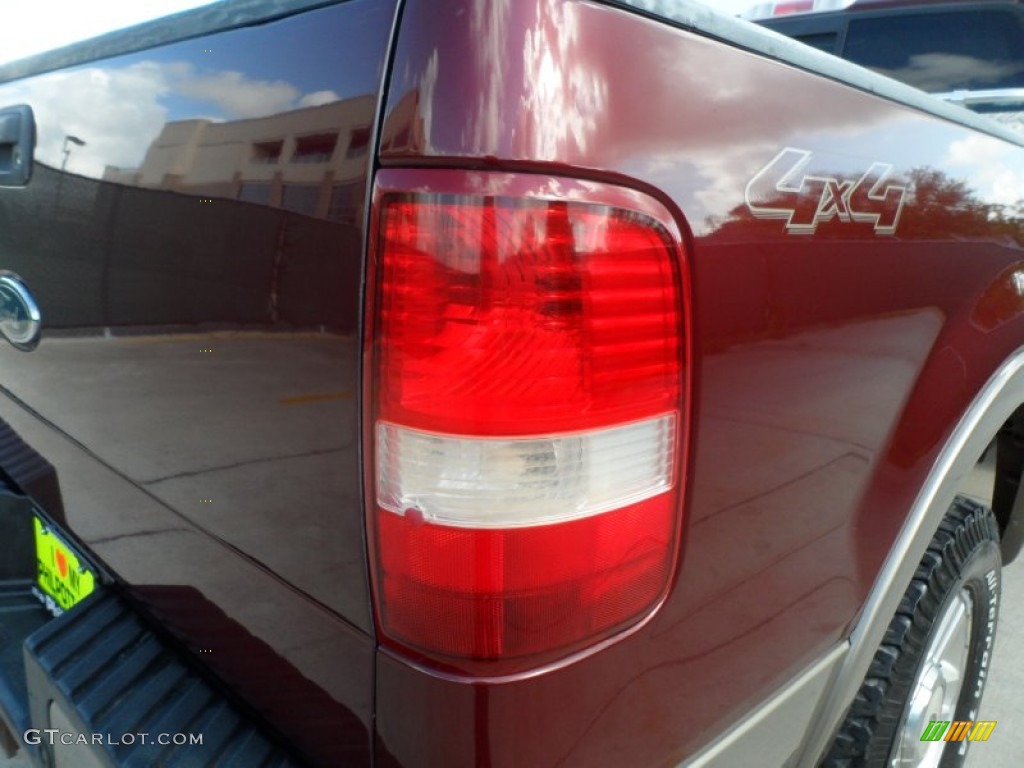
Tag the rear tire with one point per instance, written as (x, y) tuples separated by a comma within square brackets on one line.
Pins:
[(934, 659)]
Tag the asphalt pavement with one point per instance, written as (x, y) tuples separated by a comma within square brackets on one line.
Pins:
[(1004, 694), (1003, 700)]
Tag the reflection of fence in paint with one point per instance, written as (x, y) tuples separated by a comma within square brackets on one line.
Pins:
[(101, 254), (958, 730)]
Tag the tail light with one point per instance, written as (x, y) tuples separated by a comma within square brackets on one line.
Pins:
[(524, 413)]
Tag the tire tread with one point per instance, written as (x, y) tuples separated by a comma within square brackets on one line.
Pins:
[(863, 739)]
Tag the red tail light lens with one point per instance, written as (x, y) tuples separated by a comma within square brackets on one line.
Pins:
[(526, 419)]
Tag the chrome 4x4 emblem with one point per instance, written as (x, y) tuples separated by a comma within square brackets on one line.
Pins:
[(20, 321), (780, 190)]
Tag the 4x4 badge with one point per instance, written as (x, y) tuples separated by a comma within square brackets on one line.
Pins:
[(20, 320), (781, 191)]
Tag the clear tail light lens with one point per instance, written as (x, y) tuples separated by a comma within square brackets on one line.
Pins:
[(525, 413)]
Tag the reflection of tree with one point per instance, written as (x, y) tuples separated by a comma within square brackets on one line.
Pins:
[(941, 206), (937, 206)]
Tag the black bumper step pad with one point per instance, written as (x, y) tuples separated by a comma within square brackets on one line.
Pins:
[(112, 675), (21, 614), (24, 468)]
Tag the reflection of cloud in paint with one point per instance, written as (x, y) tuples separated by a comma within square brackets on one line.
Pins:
[(318, 98), (489, 22), (428, 82), (237, 95), (118, 112), (991, 164), (708, 171), (566, 97)]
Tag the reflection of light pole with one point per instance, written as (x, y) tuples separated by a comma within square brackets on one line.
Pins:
[(75, 140), (67, 151)]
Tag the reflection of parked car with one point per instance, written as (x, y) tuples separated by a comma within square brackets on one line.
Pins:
[(969, 53), (458, 383)]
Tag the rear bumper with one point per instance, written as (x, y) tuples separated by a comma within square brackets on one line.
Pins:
[(113, 684), (21, 614)]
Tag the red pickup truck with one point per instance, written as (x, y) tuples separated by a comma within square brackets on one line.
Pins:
[(463, 383)]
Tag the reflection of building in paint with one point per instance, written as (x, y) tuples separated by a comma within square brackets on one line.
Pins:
[(310, 160)]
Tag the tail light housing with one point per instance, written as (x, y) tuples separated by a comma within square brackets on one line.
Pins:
[(525, 403)]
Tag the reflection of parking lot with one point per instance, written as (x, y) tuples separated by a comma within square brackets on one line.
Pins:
[(220, 427), (218, 461), (15, 762), (302, 387)]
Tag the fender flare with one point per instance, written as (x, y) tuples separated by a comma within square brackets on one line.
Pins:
[(997, 401)]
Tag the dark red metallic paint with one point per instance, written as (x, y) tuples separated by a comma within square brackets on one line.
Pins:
[(828, 368), (201, 311)]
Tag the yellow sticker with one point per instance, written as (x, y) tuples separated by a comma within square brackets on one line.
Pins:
[(62, 578)]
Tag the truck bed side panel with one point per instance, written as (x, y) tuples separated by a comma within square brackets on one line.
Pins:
[(832, 360)]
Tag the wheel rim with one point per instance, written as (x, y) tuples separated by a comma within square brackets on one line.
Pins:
[(936, 690)]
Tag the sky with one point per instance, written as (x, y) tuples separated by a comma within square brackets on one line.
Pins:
[(119, 109), (43, 25)]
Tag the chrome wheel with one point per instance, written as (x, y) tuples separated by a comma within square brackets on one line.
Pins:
[(936, 690)]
